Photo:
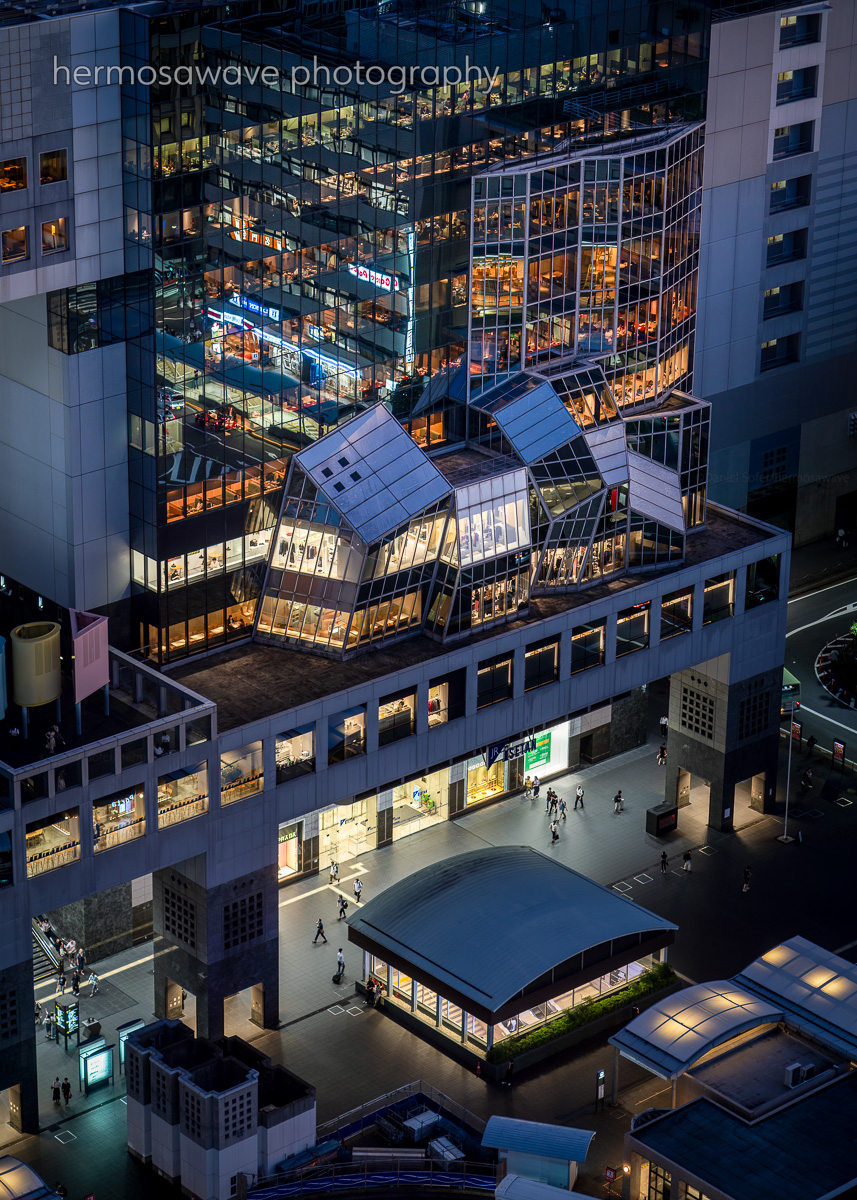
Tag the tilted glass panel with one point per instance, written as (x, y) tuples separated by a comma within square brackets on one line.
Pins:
[(567, 477)]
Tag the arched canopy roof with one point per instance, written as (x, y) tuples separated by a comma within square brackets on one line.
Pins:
[(668, 1038), (484, 927)]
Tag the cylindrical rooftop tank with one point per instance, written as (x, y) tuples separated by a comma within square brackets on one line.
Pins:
[(35, 663)]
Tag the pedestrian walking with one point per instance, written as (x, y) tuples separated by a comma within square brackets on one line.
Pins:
[(81, 958), (319, 932), (60, 983), (662, 755), (358, 890), (510, 1071), (663, 862), (563, 809), (554, 804), (370, 992), (66, 1091), (747, 874), (811, 743), (49, 1026), (619, 802), (75, 984), (536, 786), (340, 962), (343, 908), (806, 780), (55, 1090), (554, 832), (334, 872), (665, 727), (61, 1190), (548, 797), (578, 797), (93, 983), (686, 864), (528, 788)]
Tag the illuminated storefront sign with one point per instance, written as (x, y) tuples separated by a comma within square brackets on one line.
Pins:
[(255, 306), (244, 233), (378, 279), (509, 750), (124, 1032), (540, 755)]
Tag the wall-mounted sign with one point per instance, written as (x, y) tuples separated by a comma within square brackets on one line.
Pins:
[(378, 279), (541, 755), (255, 306), (510, 750)]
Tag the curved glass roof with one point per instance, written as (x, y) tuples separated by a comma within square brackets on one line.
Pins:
[(671, 1036)]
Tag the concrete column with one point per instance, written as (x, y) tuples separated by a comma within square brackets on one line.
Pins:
[(18, 1066), (214, 941)]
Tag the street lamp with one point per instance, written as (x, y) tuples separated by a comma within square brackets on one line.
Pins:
[(784, 836)]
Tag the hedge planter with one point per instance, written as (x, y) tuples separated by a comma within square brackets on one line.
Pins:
[(569, 1030)]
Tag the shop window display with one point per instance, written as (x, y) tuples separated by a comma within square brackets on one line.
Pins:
[(540, 1014), (420, 803), (396, 717), (53, 842), (295, 751), (241, 773), (346, 734), (118, 819), (290, 850), (484, 782), (347, 830), (447, 698), (182, 795)]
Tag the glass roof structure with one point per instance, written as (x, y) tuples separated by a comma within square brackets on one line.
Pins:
[(797, 982), (554, 490), (373, 472), (672, 1035)]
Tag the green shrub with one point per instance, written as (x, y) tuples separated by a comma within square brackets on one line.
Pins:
[(653, 979)]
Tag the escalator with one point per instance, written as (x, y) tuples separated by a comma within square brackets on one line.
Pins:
[(45, 961)]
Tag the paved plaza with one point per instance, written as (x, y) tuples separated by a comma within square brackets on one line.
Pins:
[(351, 1054)]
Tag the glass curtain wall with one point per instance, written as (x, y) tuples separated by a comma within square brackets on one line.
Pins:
[(307, 253), (595, 257)]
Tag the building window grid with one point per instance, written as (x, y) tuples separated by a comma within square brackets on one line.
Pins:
[(697, 713), (179, 917), (192, 1115), (243, 921), (8, 1015), (754, 715)]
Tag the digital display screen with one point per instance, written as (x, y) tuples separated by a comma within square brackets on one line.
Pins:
[(67, 1017)]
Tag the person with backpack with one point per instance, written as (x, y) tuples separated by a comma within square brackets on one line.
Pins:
[(343, 908), (319, 932), (358, 890), (563, 809)]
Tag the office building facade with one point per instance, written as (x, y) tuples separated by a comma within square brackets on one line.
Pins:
[(776, 349)]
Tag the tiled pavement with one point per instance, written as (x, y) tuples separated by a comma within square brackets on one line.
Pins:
[(353, 1055)]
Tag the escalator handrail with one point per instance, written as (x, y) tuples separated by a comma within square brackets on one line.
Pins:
[(46, 945)]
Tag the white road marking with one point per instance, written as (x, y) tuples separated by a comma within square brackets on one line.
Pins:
[(818, 592), (822, 717)]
